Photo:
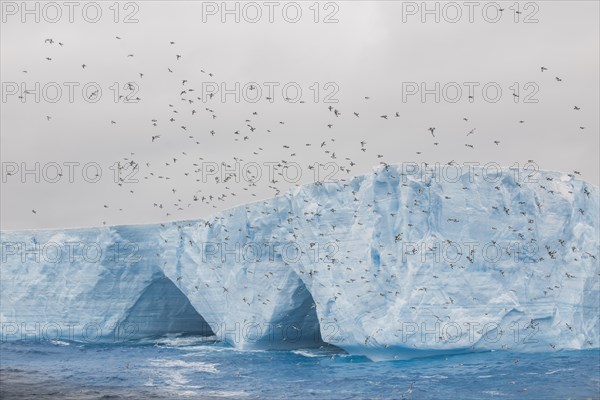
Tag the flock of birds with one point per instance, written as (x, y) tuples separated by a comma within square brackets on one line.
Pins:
[(191, 105), (251, 132)]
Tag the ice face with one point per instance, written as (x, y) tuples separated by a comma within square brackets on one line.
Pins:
[(77, 283), (390, 265)]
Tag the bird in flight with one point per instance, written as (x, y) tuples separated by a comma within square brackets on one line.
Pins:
[(431, 130)]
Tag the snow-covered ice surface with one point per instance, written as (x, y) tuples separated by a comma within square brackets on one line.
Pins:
[(390, 265)]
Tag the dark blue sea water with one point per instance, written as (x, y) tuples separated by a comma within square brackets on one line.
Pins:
[(191, 368)]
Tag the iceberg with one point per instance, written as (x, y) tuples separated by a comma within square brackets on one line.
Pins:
[(396, 264)]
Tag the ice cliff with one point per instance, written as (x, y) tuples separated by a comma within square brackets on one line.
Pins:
[(396, 264)]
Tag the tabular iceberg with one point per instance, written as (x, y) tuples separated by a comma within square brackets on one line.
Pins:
[(390, 265)]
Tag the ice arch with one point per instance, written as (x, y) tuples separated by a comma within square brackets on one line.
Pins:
[(162, 309)]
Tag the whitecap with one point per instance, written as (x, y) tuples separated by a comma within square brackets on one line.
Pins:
[(59, 343), (197, 366), (226, 394), (553, 372)]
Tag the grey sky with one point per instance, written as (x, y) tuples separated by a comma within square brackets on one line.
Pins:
[(369, 52)]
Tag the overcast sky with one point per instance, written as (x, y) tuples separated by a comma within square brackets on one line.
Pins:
[(382, 50)]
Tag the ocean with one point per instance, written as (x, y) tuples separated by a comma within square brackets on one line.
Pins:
[(192, 368)]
